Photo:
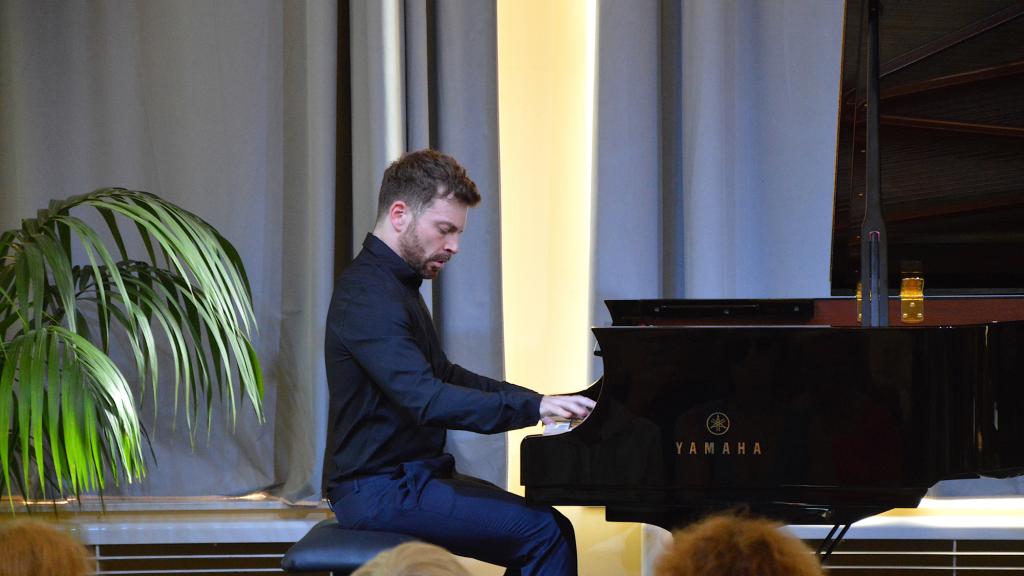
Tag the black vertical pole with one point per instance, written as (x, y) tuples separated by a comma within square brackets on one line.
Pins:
[(873, 257), (343, 249)]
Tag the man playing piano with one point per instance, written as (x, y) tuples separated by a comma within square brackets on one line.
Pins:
[(393, 392)]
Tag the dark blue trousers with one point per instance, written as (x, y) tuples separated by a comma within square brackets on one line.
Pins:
[(468, 516)]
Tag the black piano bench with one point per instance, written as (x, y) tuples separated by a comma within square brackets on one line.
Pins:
[(330, 548)]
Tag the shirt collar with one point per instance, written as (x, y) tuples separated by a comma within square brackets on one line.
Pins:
[(393, 262)]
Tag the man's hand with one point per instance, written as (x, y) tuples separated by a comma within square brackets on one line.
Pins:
[(556, 408)]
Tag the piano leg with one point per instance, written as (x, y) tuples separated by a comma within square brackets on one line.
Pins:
[(828, 544)]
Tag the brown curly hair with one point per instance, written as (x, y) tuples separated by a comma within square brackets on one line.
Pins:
[(731, 545), (35, 548)]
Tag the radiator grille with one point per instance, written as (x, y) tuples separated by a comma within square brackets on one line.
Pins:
[(851, 558), (190, 559), (927, 557)]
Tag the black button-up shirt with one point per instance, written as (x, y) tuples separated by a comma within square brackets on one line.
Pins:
[(393, 392)]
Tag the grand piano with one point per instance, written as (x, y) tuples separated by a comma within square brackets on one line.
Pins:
[(790, 408)]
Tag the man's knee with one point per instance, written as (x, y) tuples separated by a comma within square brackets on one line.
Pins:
[(564, 525), (553, 550), (557, 529)]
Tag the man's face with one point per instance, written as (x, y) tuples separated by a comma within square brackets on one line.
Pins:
[(432, 238)]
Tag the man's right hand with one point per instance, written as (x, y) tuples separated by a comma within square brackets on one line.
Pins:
[(560, 408)]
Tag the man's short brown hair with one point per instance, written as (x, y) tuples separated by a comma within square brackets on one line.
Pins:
[(418, 178)]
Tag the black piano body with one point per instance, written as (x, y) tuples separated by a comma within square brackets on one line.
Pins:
[(788, 409)]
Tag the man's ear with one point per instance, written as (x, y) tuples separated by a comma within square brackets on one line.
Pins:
[(399, 215)]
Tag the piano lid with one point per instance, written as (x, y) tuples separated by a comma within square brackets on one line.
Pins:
[(952, 145)]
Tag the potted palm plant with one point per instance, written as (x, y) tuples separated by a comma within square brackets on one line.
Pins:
[(69, 416)]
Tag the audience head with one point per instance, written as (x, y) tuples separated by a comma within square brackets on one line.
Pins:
[(413, 559), (729, 545), (35, 548)]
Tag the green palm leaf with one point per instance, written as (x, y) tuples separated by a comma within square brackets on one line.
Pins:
[(68, 415)]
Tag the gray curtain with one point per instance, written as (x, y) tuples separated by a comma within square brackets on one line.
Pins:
[(715, 148), (218, 107), (425, 74), (628, 200), (759, 83)]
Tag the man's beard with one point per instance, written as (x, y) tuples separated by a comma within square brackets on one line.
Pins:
[(416, 255)]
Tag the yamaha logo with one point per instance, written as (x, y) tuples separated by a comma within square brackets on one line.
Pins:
[(718, 423)]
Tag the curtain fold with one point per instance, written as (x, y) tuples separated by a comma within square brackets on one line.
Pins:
[(759, 94), (467, 298), (310, 66), (424, 74), (626, 249), (670, 85), (629, 234), (378, 103)]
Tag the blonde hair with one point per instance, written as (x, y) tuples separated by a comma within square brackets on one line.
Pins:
[(34, 548), (413, 559), (728, 545)]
